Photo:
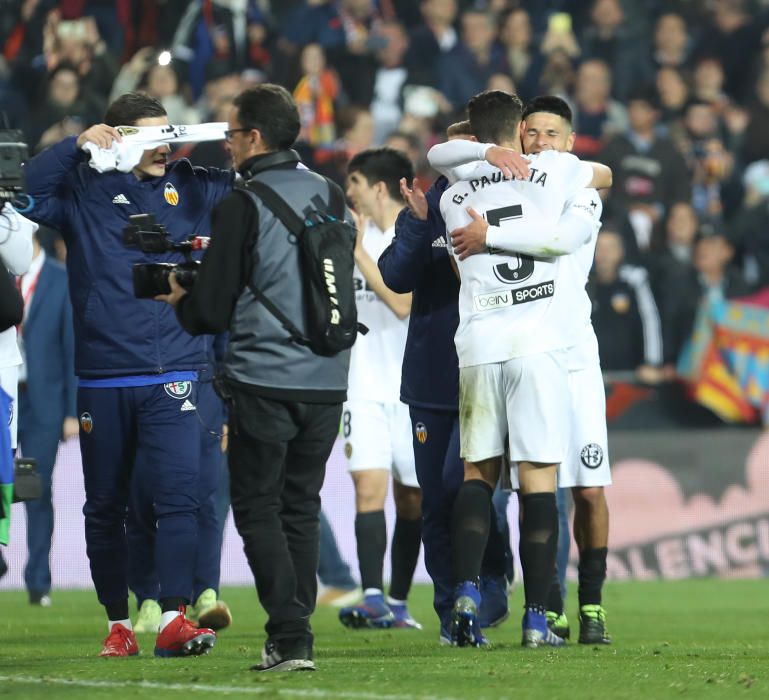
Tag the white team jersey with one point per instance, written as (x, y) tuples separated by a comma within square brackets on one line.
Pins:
[(515, 305), (576, 268), (376, 359)]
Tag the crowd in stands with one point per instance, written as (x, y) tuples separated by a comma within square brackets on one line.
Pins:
[(673, 95)]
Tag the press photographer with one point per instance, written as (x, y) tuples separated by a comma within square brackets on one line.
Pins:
[(286, 398)]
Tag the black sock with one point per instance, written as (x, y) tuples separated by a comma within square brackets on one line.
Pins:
[(592, 574), (117, 611), (371, 539), (404, 554), (494, 562), (470, 529), (554, 598), (172, 604), (539, 541)]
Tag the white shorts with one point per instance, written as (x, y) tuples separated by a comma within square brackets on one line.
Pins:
[(525, 398), (378, 436), (587, 457), (9, 380)]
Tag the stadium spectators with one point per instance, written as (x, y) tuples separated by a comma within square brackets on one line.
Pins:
[(625, 315)]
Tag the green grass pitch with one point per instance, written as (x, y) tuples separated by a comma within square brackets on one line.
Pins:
[(693, 639)]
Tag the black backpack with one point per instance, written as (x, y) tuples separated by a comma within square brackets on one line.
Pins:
[(326, 246)]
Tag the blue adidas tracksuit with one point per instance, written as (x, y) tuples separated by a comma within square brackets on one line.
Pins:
[(137, 368), (417, 261)]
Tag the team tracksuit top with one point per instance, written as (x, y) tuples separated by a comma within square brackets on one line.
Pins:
[(115, 333), (418, 261)]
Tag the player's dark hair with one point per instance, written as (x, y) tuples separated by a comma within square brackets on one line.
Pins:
[(129, 108), (270, 109), (550, 104), (383, 165), (495, 116), (459, 129)]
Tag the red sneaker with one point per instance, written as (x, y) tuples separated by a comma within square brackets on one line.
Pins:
[(120, 642), (180, 637)]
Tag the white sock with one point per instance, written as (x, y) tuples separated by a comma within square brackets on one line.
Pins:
[(167, 617), (372, 591), (125, 623), (393, 601)]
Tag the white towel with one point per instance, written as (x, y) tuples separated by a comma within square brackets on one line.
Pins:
[(125, 155)]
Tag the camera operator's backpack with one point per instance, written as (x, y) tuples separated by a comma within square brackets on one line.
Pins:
[(326, 245)]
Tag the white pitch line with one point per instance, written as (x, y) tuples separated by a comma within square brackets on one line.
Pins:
[(222, 689)]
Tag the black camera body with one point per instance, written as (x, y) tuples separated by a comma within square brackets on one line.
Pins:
[(151, 279), (13, 153)]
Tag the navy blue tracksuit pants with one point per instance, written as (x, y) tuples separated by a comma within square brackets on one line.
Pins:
[(151, 431), (140, 526), (440, 472)]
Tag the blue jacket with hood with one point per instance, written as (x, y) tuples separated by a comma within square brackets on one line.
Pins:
[(117, 335)]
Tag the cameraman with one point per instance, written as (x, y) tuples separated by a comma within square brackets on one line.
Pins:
[(15, 257), (286, 400), (137, 369)]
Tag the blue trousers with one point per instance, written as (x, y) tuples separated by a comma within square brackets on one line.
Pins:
[(140, 525), (141, 432), (440, 472), (333, 571), (40, 442)]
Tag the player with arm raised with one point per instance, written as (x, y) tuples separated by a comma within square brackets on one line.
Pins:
[(547, 125), (513, 331)]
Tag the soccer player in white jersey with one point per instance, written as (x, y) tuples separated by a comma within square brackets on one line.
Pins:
[(547, 125), (515, 325), (376, 425)]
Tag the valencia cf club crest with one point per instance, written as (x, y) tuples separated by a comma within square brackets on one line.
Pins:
[(178, 390), (86, 422), (347, 450), (591, 456), (170, 194), (421, 432), (620, 303)]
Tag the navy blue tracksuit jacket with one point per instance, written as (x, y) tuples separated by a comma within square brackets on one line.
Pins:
[(137, 367), (417, 261)]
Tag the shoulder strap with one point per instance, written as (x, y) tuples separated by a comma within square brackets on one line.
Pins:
[(336, 202), (265, 194), (277, 205)]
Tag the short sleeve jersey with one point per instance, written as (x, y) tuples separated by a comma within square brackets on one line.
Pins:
[(577, 266)]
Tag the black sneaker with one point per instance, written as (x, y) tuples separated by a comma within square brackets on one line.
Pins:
[(592, 625), (286, 655)]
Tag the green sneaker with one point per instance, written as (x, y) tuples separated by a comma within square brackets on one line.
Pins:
[(210, 612), (149, 617), (592, 625), (558, 624)]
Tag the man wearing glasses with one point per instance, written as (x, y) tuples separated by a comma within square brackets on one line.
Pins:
[(286, 401)]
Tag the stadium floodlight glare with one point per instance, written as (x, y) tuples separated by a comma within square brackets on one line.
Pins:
[(164, 58)]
